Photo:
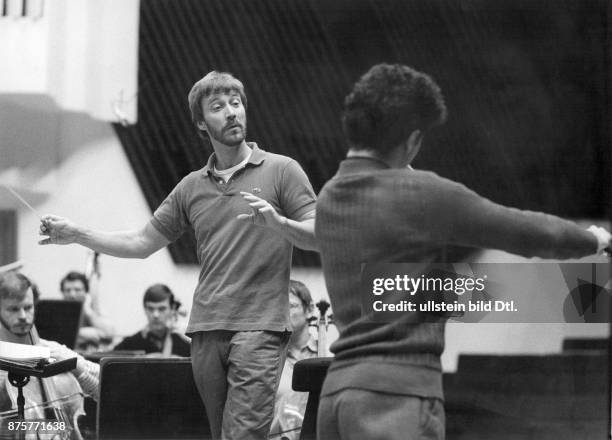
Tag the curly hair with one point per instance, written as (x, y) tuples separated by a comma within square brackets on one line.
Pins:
[(387, 104), (212, 83)]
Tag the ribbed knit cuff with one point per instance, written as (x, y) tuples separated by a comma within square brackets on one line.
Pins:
[(89, 379)]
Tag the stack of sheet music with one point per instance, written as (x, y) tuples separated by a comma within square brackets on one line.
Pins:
[(22, 354)]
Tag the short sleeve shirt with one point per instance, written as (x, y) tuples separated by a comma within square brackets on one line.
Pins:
[(243, 282)]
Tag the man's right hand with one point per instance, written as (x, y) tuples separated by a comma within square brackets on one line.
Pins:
[(58, 230), (137, 243), (604, 239)]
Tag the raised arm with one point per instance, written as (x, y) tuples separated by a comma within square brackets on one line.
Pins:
[(138, 243)]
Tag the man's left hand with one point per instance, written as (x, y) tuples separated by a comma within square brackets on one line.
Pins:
[(60, 352), (263, 214)]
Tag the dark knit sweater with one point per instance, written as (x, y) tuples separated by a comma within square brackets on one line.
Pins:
[(369, 212), (180, 345)]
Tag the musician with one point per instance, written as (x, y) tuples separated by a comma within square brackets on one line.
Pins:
[(17, 310), (386, 380), (248, 208), (291, 405), (95, 329), (159, 335)]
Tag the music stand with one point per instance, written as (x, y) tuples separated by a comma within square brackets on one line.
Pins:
[(150, 398), (58, 320), (97, 356)]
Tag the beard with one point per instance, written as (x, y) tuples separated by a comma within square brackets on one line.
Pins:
[(19, 329), (232, 137)]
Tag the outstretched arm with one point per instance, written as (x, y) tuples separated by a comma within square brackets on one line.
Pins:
[(299, 233), (475, 221), (138, 243)]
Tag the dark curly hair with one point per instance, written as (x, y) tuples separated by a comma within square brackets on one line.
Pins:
[(387, 104)]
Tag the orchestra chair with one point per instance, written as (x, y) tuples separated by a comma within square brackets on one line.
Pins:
[(149, 398), (308, 376)]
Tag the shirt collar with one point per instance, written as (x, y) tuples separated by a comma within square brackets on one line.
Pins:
[(358, 164), (257, 157), (311, 345)]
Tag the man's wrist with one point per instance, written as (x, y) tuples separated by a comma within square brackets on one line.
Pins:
[(80, 365), (284, 223), (81, 235)]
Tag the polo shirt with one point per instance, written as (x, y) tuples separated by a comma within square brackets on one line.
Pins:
[(244, 277)]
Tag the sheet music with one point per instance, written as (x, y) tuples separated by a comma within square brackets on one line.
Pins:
[(27, 355)]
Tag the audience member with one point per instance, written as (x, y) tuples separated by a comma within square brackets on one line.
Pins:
[(17, 308)]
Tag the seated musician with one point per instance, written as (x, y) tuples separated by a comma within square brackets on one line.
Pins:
[(17, 309), (290, 405), (159, 336), (95, 329)]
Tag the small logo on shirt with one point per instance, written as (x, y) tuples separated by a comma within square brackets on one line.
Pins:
[(256, 190)]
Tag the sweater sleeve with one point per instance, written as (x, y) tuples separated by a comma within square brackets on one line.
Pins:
[(459, 216), (89, 379)]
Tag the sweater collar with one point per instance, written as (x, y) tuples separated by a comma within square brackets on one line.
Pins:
[(358, 164)]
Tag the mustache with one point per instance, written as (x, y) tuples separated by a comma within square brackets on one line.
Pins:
[(232, 124)]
